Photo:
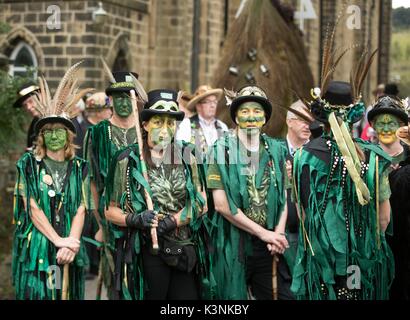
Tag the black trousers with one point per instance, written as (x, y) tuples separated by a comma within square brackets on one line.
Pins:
[(165, 282), (259, 278)]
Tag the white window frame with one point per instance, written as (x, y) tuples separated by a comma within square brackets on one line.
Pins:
[(15, 52)]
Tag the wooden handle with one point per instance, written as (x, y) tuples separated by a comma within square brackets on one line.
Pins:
[(66, 279), (274, 279), (148, 199), (99, 281)]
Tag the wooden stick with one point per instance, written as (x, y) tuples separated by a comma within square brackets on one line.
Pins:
[(99, 281), (66, 279), (148, 199), (274, 278)]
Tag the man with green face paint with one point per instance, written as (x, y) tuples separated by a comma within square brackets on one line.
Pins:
[(386, 116), (246, 176), (122, 104), (174, 183), (102, 141)]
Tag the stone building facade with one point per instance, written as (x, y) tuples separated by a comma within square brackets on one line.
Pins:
[(170, 43)]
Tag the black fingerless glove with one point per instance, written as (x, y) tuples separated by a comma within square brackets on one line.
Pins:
[(166, 225), (140, 221)]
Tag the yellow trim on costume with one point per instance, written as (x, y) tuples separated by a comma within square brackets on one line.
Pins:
[(214, 177), (377, 204), (345, 143)]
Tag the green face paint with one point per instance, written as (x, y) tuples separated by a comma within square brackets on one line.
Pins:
[(122, 104), (161, 129), (55, 139), (251, 117), (386, 126)]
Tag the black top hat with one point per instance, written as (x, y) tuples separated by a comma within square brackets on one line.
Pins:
[(339, 93), (316, 129), (391, 89), (387, 104), (123, 82), (162, 101), (54, 119), (251, 93), (25, 91)]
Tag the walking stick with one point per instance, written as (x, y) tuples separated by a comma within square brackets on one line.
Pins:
[(148, 199), (99, 282), (66, 278), (274, 278)]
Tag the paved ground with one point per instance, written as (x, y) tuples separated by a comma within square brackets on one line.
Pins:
[(91, 289)]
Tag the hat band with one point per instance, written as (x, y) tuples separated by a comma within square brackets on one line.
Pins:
[(28, 90), (168, 106), (122, 85)]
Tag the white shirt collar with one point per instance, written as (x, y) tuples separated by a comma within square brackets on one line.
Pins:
[(206, 122)]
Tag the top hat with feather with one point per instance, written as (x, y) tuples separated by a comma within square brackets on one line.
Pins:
[(60, 108)]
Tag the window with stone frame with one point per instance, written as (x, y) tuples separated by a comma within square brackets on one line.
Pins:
[(23, 61)]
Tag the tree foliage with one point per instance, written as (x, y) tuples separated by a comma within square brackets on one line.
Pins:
[(401, 18), (13, 122)]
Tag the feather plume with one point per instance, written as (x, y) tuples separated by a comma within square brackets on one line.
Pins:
[(304, 101), (140, 89), (329, 62), (65, 84), (71, 110), (107, 71), (179, 96), (38, 105), (364, 71), (65, 97), (308, 118), (229, 96)]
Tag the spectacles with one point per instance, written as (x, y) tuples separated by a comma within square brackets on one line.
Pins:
[(215, 102), (49, 132)]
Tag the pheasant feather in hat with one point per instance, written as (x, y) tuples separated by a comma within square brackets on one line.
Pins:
[(60, 108)]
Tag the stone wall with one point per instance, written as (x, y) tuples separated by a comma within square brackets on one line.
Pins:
[(126, 28), (156, 38)]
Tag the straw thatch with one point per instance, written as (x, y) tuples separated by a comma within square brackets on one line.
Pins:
[(264, 26)]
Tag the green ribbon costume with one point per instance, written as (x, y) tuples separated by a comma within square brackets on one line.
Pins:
[(101, 143), (232, 245), (129, 271), (35, 270), (337, 231)]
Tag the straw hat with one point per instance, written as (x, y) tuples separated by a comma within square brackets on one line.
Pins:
[(201, 93)]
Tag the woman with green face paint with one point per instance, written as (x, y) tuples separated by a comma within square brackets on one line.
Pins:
[(174, 183), (386, 116), (51, 199)]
